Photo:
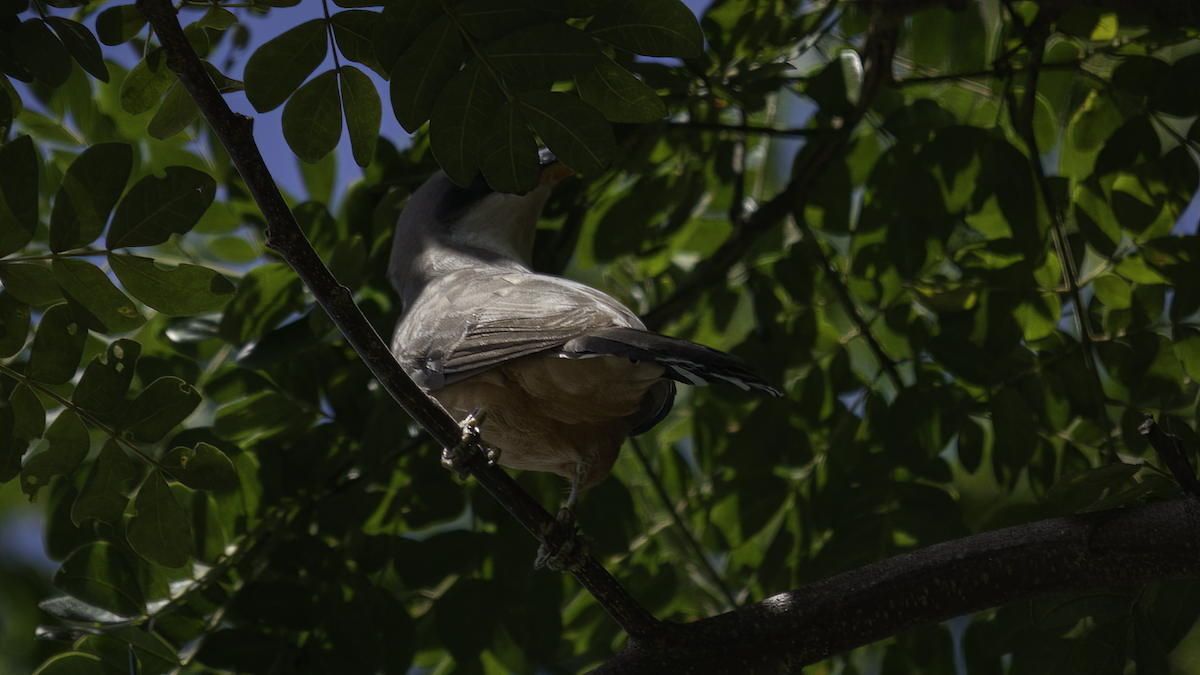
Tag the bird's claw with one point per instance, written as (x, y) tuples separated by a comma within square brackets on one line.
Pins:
[(563, 549), (458, 457)]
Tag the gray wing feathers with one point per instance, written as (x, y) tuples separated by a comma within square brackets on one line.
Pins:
[(465, 323), (685, 361)]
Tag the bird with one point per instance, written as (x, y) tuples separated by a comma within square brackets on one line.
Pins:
[(564, 372)]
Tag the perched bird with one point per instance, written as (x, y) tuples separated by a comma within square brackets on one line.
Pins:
[(564, 372)]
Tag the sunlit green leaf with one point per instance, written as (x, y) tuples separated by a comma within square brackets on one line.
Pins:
[(144, 86), (179, 291)]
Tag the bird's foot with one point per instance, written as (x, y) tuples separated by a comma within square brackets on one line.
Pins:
[(458, 457), (563, 549)]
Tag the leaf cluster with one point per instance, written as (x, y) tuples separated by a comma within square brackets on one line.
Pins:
[(971, 280)]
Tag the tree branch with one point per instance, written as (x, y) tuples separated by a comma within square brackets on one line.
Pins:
[(284, 236), (1155, 542)]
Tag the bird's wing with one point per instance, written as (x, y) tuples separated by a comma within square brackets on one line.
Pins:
[(472, 320), (685, 361)]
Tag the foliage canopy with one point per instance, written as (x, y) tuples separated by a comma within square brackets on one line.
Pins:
[(971, 278)]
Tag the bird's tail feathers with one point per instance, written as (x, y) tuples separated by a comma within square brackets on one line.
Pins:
[(685, 361)]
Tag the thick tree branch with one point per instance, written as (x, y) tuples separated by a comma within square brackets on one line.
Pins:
[(284, 235), (788, 631)]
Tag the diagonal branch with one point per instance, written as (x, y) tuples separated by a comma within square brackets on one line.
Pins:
[(285, 236)]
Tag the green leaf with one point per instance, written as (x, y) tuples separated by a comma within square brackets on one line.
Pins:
[(159, 529), (179, 291), (67, 446), (116, 25), (489, 20), (31, 283), (176, 113), (14, 324), (399, 26), (144, 86), (57, 346), (89, 190), (360, 102), (81, 45), (543, 54), (29, 416), (423, 70), (312, 118), (1015, 435), (18, 194), (43, 54), (1113, 291), (460, 121), (72, 663), (254, 415), (11, 450), (103, 495), (94, 298), (159, 409), (649, 28), (575, 132), (509, 154), (217, 18), (619, 95), (106, 379), (201, 468), (280, 66), (1038, 315), (155, 208), (353, 30), (265, 296), (101, 575)]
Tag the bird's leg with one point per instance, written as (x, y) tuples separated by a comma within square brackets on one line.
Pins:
[(456, 458), (562, 547)]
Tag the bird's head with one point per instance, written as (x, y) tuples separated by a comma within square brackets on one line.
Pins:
[(444, 221)]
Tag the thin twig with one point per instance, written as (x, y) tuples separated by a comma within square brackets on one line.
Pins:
[(698, 553)]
